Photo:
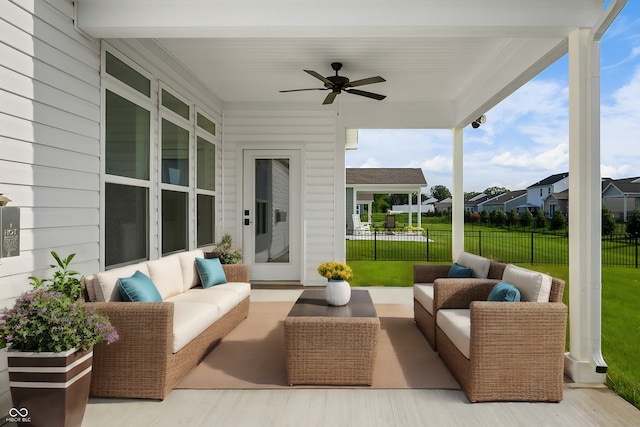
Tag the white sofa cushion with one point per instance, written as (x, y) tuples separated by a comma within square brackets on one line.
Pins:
[(241, 289), (423, 293), (166, 274), (223, 300), (190, 319), (107, 281), (533, 286), (479, 265), (190, 277), (456, 324)]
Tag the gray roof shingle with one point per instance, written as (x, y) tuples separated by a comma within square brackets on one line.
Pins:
[(401, 176)]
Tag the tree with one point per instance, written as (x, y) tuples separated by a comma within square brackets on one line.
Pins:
[(512, 217), (633, 223), (608, 222), (500, 217), (540, 221), (558, 221), (440, 192), (494, 191), (381, 203), (484, 217), (526, 219)]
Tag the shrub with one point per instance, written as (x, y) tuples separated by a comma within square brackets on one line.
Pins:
[(633, 223), (526, 219), (608, 222), (558, 221)]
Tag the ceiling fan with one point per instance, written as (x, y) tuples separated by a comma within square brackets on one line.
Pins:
[(337, 84)]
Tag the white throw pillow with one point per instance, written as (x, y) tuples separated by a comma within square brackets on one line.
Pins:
[(107, 285), (190, 277), (533, 286), (166, 274), (479, 265)]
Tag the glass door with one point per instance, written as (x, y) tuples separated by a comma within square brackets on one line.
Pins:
[(271, 214)]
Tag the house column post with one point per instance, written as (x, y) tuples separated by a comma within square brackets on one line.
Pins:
[(410, 210), (457, 196), (419, 200), (584, 362)]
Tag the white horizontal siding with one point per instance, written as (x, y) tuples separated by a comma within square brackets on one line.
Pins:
[(269, 129), (49, 138)]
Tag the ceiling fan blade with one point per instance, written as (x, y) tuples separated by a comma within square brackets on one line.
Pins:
[(329, 99), (299, 90), (368, 81), (319, 77), (367, 94)]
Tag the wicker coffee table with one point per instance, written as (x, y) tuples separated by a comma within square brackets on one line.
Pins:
[(328, 345)]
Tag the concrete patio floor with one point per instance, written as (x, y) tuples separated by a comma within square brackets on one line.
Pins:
[(583, 405)]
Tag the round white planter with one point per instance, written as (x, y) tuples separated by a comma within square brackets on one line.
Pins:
[(338, 292)]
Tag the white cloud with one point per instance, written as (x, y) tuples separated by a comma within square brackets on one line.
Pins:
[(544, 161), (436, 164), (370, 163)]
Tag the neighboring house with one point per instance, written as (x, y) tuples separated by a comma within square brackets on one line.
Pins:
[(130, 130), (537, 192), (555, 202), (443, 205), (621, 196), (473, 203), (363, 183), (504, 202)]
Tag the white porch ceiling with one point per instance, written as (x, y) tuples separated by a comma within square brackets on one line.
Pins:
[(445, 62)]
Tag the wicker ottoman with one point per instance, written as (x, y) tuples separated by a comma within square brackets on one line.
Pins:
[(327, 345)]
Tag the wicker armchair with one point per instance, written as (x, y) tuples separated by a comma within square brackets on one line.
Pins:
[(516, 350), (424, 275)]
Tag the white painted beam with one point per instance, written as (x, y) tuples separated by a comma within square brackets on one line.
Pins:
[(457, 195)]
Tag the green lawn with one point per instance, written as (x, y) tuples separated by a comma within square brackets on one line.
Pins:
[(620, 316)]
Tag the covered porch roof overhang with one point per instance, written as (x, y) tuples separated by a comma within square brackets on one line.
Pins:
[(446, 64)]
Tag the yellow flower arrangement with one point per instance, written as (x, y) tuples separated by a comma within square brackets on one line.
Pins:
[(335, 271)]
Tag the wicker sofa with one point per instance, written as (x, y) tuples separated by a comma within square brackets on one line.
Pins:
[(160, 342), (500, 351)]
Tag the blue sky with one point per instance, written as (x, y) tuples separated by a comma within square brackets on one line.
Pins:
[(526, 137)]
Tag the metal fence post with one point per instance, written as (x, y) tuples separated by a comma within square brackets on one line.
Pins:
[(375, 244), (532, 238), (480, 242), (427, 243)]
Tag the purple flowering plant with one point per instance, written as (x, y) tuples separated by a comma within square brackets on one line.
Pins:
[(46, 319)]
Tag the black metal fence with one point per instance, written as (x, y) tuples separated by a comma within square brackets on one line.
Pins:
[(618, 250)]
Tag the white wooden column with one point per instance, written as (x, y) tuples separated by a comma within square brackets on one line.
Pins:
[(457, 195), (584, 362), (410, 210)]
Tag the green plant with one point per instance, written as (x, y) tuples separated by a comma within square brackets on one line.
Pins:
[(335, 271), (63, 278), (51, 318), (633, 223), (225, 252)]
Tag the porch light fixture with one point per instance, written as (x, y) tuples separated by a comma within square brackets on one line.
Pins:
[(479, 121)]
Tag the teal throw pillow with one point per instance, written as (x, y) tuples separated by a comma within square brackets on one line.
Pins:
[(504, 292), (210, 271), (138, 288), (459, 271)]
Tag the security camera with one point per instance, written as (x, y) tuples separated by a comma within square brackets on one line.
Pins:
[(477, 122)]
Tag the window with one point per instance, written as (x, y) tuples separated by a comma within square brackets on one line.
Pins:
[(174, 221), (174, 104), (160, 167), (205, 221), (127, 138), (126, 224), (127, 75), (175, 154)]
